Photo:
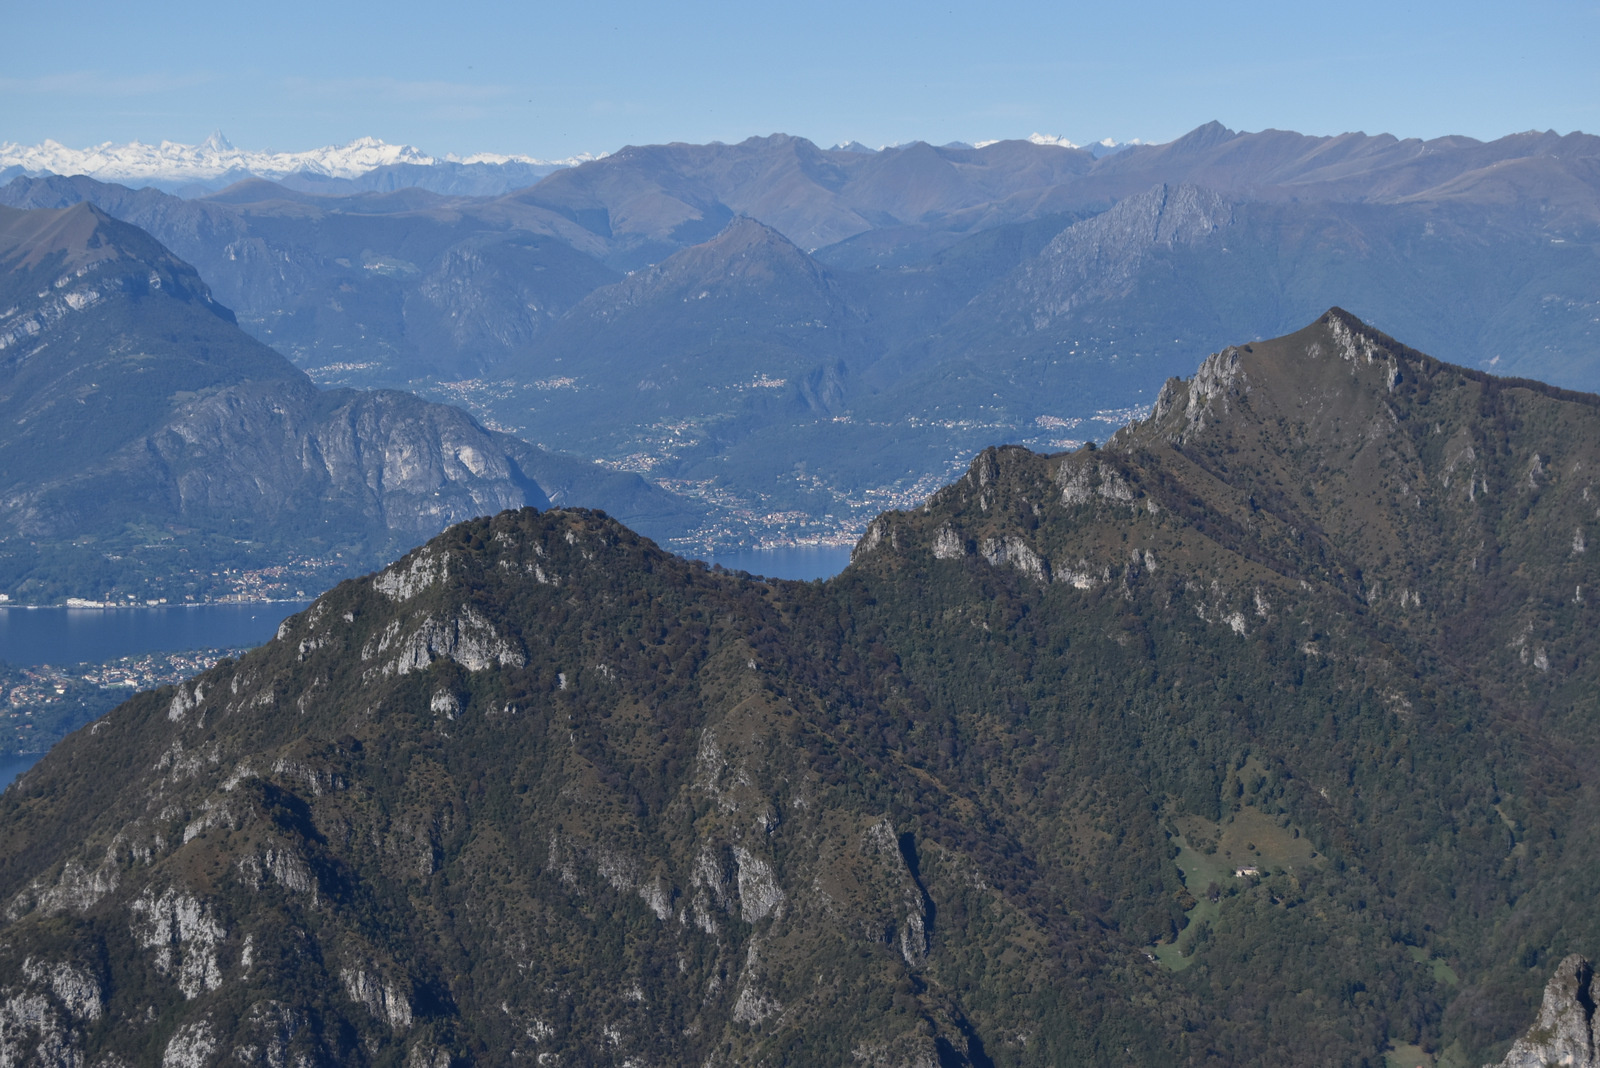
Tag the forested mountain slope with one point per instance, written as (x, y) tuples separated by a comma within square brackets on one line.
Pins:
[(1264, 733)]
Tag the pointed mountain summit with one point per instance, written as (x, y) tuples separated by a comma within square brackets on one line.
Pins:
[(79, 237), (216, 143), (101, 326), (1338, 457), (747, 258), (1203, 137)]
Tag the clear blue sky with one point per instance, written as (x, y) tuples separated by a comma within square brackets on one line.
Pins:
[(556, 79)]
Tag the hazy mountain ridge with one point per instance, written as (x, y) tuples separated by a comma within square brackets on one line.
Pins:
[(319, 276), (649, 201), (814, 196), (1276, 164), (539, 788), (1118, 308), (716, 313), (145, 425), (953, 321)]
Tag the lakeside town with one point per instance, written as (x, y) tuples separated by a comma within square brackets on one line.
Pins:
[(298, 579), (43, 703)]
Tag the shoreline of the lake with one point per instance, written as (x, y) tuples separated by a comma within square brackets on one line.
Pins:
[(101, 631), (79, 605), (13, 765), (801, 561), (62, 635)]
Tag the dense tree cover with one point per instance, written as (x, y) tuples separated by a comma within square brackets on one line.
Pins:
[(1264, 733)]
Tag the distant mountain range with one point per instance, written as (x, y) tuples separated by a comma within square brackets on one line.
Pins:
[(803, 336), (363, 164)]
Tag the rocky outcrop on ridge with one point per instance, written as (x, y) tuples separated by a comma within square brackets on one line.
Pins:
[(1564, 1034)]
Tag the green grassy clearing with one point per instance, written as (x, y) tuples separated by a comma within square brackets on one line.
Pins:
[(1406, 1056), (1215, 852), (1441, 971)]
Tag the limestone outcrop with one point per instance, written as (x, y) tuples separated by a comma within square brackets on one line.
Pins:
[(1564, 1033)]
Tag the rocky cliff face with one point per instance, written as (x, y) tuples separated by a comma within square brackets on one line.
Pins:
[(1099, 258), (1564, 1034)]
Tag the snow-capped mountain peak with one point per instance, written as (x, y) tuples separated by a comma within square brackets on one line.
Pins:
[(1104, 147), (216, 144), (1034, 138), (499, 160), (215, 158)]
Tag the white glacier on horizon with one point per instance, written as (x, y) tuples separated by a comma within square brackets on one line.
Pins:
[(1103, 147), (1033, 138), (216, 157)]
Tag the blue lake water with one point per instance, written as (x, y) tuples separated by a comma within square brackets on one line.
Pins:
[(804, 563), (67, 636), (64, 636), (12, 766)]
